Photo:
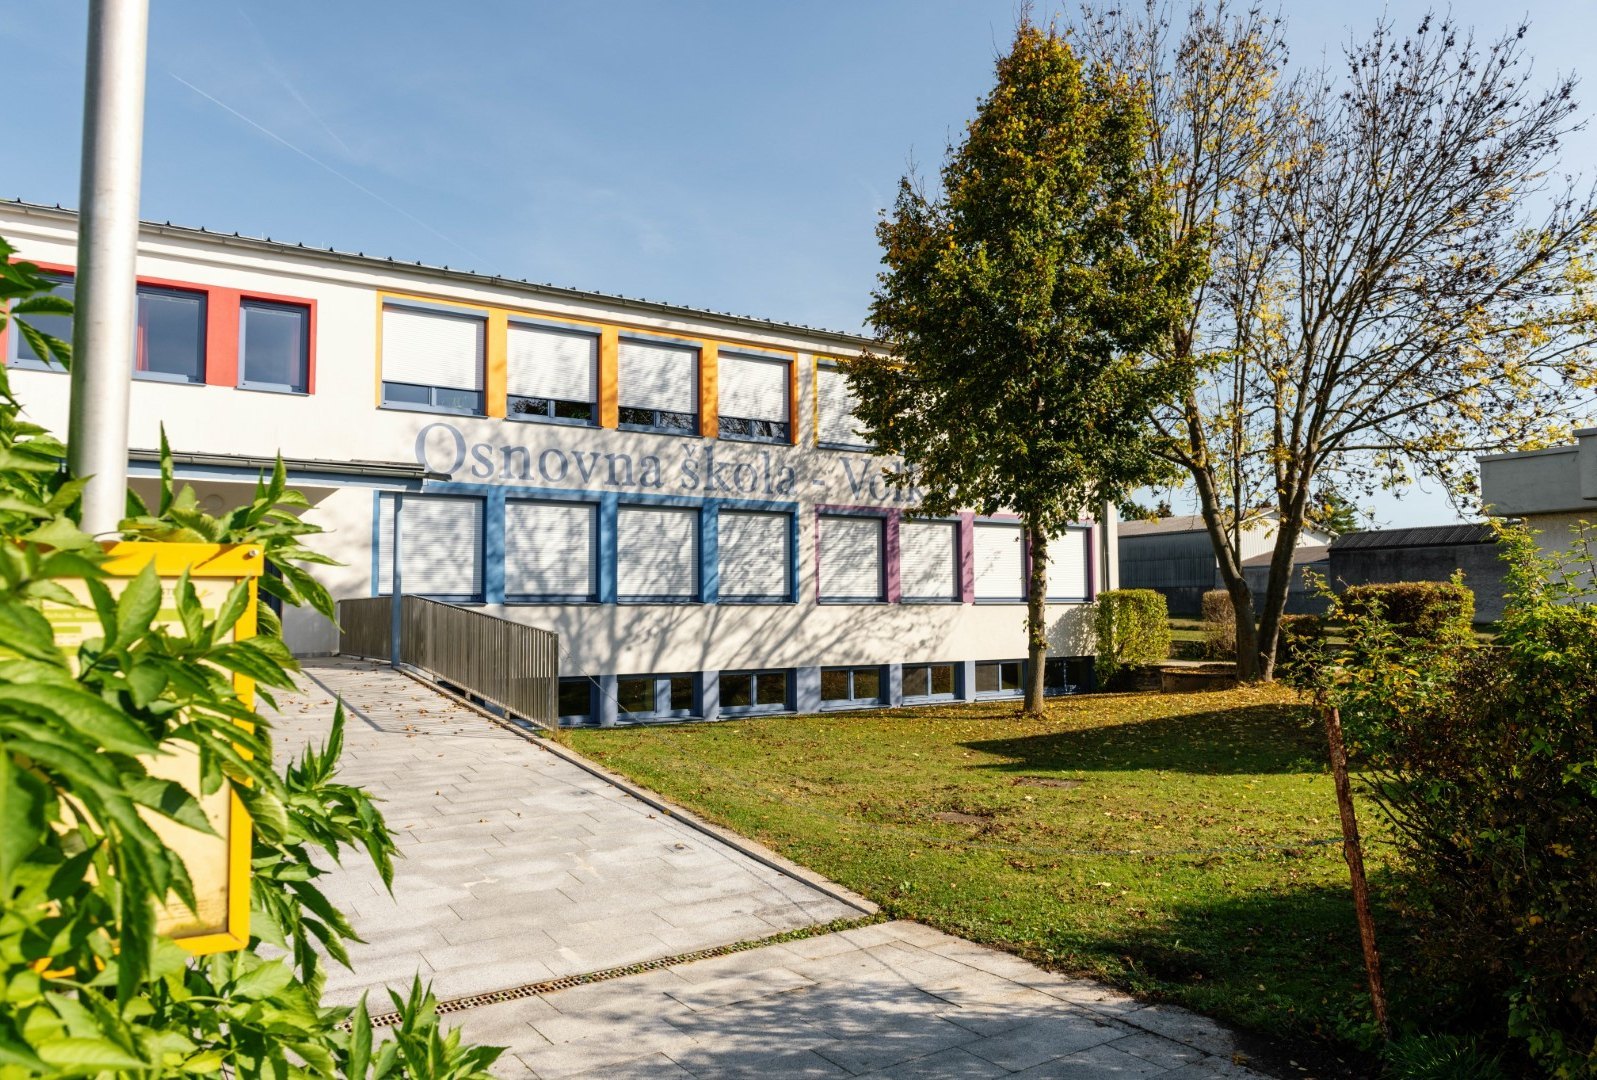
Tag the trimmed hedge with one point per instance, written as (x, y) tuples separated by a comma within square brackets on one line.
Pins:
[(1219, 626), (1132, 628), (1429, 610)]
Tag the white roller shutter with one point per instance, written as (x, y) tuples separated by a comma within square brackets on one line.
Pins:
[(657, 552), (440, 548), (752, 388), (545, 363), (1067, 565), (432, 348), (834, 405), (850, 558), (657, 376), (1000, 561), (549, 549), (928, 560), (754, 554)]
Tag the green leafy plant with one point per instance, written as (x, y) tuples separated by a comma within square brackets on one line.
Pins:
[(1442, 1057), (1219, 626), (1438, 610), (1132, 627), (89, 986)]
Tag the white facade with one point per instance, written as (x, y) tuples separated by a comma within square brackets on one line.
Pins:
[(680, 530)]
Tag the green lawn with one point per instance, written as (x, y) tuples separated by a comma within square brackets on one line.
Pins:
[(993, 828)]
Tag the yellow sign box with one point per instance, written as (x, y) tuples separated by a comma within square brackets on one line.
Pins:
[(219, 865)]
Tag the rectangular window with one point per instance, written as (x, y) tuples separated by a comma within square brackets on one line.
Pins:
[(851, 558), (169, 335), (754, 398), (646, 697), (1067, 565), (756, 556), (550, 551), (433, 360), (576, 700), (1067, 674), (657, 553), (998, 678), (659, 386), (56, 326), (753, 691), (274, 343), (835, 422), (999, 551), (551, 374), (928, 560), (928, 682), (440, 546), (851, 686)]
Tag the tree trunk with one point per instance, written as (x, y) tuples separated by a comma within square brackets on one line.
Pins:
[(1036, 620), (1229, 561), (1280, 583)]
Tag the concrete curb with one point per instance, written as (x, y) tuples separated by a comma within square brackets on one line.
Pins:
[(741, 844)]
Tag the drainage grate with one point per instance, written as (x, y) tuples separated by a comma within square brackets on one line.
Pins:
[(567, 982)]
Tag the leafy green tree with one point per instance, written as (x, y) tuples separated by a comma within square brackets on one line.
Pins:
[(1017, 307)]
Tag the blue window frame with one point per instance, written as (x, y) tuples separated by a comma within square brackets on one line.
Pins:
[(57, 326), (748, 692), (169, 335), (852, 687), (442, 399), (274, 341), (929, 682), (576, 701), (999, 678), (655, 697)]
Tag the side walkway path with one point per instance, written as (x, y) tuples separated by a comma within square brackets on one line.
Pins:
[(521, 867)]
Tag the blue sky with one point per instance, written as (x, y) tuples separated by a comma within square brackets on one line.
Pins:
[(726, 155)]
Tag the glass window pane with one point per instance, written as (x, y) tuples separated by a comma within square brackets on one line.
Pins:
[(635, 695), (772, 688), (57, 326), (917, 681), (170, 336), (529, 406), (737, 691), (867, 684), (640, 417), (275, 341), (943, 679), (406, 394), (987, 679), (574, 697), (834, 686), (682, 693), (574, 410), (679, 421), (467, 401), (1011, 675)]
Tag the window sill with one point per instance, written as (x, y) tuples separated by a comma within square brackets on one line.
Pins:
[(272, 388), (34, 365), (936, 699), (644, 430), (947, 601), (561, 421), (390, 406), (852, 706), (856, 600), (999, 600), (551, 601), (169, 380), (854, 448), (759, 439), (752, 600), (676, 600), (753, 710)]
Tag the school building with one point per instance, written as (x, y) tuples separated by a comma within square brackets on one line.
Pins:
[(680, 494)]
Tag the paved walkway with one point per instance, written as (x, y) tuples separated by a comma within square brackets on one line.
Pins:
[(520, 867)]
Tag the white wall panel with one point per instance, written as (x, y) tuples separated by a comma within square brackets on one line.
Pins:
[(752, 388), (657, 552), (999, 553), (1067, 565), (440, 547), (549, 549), (754, 554), (835, 421), (545, 363), (431, 348), (658, 376), (928, 560), (850, 557)]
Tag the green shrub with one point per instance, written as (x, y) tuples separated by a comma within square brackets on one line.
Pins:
[(1219, 626), (1423, 609), (1132, 627), (1483, 761), (1301, 636)]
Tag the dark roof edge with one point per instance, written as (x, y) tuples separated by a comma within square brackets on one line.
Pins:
[(383, 469), (556, 292)]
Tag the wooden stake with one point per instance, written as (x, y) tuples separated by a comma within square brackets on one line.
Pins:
[(1354, 853)]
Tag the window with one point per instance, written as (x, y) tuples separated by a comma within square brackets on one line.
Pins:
[(1000, 678), (928, 560), (169, 335), (928, 682), (834, 411), (433, 360), (576, 700), (756, 556), (1067, 565), (657, 553), (754, 398), (1067, 674), (641, 697), (440, 546), (754, 691), (1000, 561), (551, 374), (851, 686), (57, 326), (659, 386), (549, 551), (274, 346), (850, 558)]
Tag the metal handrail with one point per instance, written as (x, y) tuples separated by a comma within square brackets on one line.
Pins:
[(504, 663)]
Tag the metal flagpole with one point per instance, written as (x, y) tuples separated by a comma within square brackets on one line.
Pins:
[(108, 233)]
